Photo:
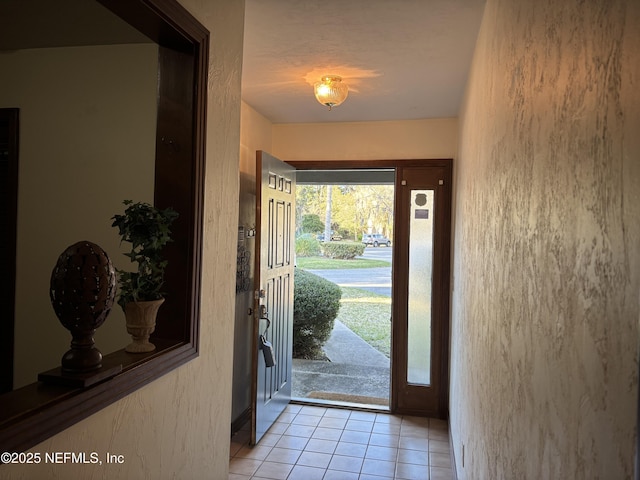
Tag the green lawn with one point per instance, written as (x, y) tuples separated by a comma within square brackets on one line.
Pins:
[(368, 315), (336, 263)]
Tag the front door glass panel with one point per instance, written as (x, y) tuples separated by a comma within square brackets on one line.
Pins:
[(420, 287)]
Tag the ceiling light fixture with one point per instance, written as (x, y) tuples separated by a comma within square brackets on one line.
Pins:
[(330, 91)]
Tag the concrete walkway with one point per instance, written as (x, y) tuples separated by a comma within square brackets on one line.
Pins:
[(376, 280), (345, 346), (355, 369)]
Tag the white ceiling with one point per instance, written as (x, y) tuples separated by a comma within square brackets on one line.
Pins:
[(402, 59)]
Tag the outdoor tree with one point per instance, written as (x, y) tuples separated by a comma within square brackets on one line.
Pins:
[(311, 223), (377, 201), (310, 199), (327, 215), (356, 209), (343, 212)]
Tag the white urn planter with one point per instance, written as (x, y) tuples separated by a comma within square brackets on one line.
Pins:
[(141, 322)]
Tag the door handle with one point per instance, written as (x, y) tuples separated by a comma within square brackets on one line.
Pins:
[(264, 315), (266, 346)]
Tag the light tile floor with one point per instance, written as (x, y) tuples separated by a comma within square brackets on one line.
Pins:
[(317, 443)]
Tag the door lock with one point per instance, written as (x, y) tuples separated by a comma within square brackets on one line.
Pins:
[(266, 346), (264, 315)]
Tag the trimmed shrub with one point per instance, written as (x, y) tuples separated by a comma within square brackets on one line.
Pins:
[(315, 308), (307, 246), (343, 250)]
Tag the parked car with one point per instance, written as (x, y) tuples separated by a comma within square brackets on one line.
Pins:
[(375, 239), (336, 237)]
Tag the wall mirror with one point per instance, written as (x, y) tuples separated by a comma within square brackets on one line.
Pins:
[(80, 96), (136, 134)]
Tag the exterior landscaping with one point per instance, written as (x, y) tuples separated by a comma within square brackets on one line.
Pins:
[(324, 263), (315, 308), (368, 315)]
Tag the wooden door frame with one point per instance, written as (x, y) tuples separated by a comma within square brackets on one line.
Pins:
[(399, 276), (34, 413), (440, 305), (11, 116)]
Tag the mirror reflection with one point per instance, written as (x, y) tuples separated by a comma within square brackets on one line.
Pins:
[(87, 100)]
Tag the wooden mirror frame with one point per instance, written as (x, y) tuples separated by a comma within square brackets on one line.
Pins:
[(38, 411)]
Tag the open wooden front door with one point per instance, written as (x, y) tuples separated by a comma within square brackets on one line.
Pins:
[(273, 305)]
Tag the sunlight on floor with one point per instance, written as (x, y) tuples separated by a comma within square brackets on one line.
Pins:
[(317, 443)]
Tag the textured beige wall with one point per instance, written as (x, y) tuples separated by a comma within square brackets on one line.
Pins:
[(546, 260), (255, 134), (432, 138), (178, 426), (78, 107)]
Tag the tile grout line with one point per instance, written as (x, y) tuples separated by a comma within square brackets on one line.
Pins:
[(346, 419)]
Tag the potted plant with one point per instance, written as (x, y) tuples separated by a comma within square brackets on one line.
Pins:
[(147, 229)]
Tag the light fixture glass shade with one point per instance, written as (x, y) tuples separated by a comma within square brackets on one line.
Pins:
[(330, 91)]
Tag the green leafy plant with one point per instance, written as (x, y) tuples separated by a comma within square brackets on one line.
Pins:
[(307, 246), (344, 250), (147, 229), (311, 223), (315, 307)]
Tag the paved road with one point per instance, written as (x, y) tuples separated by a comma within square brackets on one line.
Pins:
[(378, 253), (376, 280)]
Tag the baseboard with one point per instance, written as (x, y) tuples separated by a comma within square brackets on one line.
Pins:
[(241, 421), (453, 454)]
